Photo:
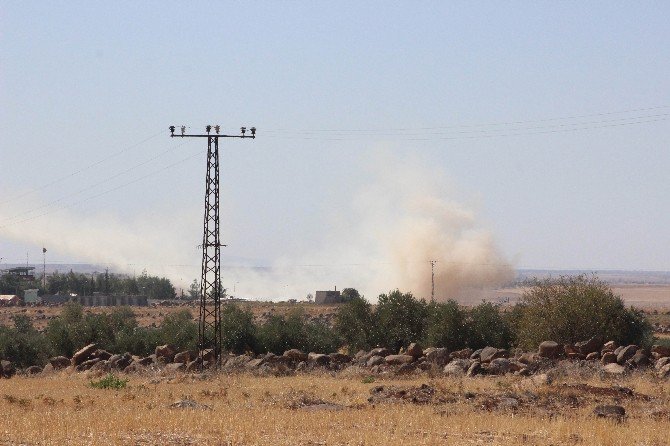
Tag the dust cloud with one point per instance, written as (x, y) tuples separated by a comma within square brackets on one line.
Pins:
[(402, 216)]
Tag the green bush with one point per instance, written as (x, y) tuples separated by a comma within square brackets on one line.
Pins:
[(488, 327), (355, 324), (22, 344), (447, 325), (180, 330), (401, 319), (280, 333), (571, 309), (110, 381), (237, 329)]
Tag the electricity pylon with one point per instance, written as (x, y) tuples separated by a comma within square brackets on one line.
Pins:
[(432, 280), (211, 289)]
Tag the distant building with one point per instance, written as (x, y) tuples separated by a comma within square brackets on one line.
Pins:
[(328, 297), (105, 300), (31, 297), (9, 300), (22, 272)]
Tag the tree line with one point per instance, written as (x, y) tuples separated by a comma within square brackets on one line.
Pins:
[(153, 287), (565, 310)]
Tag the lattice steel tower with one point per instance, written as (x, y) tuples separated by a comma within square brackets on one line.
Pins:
[(211, 288)]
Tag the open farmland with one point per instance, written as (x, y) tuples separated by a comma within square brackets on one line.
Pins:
[(320, 409)]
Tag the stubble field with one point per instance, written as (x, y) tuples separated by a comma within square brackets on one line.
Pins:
[(323, 409)]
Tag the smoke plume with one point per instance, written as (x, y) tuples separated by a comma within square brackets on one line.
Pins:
[(401, 218)]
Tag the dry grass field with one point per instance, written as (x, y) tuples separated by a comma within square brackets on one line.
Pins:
[(331, 410)]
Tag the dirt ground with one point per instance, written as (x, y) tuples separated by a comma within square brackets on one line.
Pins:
[(326, 409), (654, 299)]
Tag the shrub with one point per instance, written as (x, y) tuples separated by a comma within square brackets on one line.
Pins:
[(180, 330), (273, 335), (349, 294), (355, 324), (486, 326), (400, 319), (238, 329), (447, 325), (110, 381), (571, 309), (280, 333), (22, 344)]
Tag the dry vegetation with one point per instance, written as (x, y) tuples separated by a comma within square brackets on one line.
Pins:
[(323, 409), (146, 316)]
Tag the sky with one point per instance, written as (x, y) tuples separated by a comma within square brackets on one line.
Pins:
[(511, 134)]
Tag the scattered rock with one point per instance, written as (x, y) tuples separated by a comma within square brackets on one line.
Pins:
[(295, 355), (398, 359), (339, 358), (380, 351), (528, 358), (59, 362), (488, 354), (474, 369), (617, 413), (423, 394), (34, 370), (608, 358), (609, 346), (548, 349), (461, 354), (86, 365), (639, 359), (182, 357), (255, 363), (593, 356), (165, 352), (664, 372), (83, 354), (438, 356), (414, 350), (592, 345), (457, 367), (189, 404), (499, 366), (318, 358), (625, 354), (375, 360)]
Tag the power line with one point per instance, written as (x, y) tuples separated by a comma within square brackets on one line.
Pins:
[(404, 137), (491, 124), (87, 188), (77, 172), (169, 166)]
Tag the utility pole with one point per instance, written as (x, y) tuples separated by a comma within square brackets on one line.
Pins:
[(44, 268), (209, 324), (432, 280)]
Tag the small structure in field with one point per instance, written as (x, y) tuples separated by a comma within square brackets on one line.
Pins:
[(31, 297), (328, 297), (9, 300)]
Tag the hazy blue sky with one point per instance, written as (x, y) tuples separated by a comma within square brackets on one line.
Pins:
[(81, 81)]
